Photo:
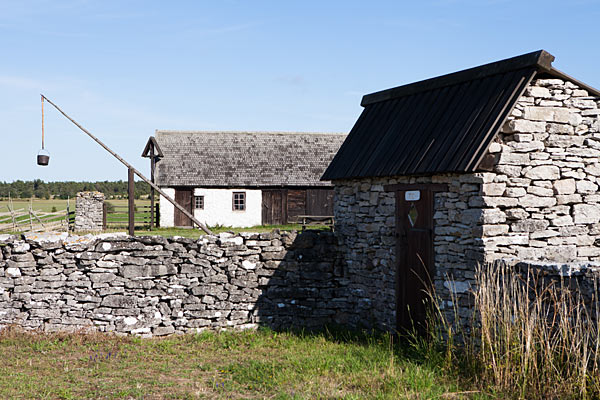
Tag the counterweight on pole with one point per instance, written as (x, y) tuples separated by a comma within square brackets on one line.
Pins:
[(138, 173)]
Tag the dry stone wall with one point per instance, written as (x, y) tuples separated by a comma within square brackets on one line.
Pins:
[(545, 183), (89, 211), (366, 226), (158, 286)]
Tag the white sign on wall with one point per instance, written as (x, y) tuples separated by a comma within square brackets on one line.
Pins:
[(412, 195)]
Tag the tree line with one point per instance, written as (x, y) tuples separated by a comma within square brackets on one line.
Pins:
[(63, 190)]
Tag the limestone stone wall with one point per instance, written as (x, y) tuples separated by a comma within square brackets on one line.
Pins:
[(545, 182), (157, 286), (89, 211), (365, 224)]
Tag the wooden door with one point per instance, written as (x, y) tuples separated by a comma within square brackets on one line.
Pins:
[(296, 204), (274, 207), (319, 202), (415, 260), (183, 196)]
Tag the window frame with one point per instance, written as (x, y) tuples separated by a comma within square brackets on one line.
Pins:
[(196, 198), (243, 201)]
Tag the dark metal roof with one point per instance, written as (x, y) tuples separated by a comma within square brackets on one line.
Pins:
[(244, 159), (444, 124)]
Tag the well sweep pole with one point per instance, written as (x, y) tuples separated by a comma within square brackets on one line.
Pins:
[(138, 173)]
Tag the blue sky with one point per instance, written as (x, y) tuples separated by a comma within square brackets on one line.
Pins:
[(126, 68)]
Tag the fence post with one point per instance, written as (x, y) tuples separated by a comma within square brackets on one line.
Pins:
[(104, 212), (158, 215), (131, 201)]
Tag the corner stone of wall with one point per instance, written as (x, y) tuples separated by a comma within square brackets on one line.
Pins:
[(89, 211)]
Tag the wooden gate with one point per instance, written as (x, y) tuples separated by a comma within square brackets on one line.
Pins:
[(274, 207), (183, 196), (415, 258)]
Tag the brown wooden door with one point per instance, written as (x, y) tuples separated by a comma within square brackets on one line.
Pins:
[(183, 196), (274, 207), (319, 202), (415, 261), (296, 204)]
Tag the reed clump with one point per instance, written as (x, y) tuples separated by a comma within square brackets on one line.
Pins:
[(531, 335)]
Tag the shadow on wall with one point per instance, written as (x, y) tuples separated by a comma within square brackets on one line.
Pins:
[(303, 286)]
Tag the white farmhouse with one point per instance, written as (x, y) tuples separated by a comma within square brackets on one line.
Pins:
[(243, 179)]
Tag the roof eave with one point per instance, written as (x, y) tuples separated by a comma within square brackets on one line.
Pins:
[(540, 59)]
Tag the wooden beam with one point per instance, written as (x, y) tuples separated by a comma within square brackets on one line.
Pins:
[(434, 187), (152, 166), (138, 173), (131, 201)]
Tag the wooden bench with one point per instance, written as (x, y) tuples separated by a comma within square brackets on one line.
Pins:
[(316, 220)]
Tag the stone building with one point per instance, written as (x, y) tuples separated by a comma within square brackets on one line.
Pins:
[(500, 161), (243, 179)]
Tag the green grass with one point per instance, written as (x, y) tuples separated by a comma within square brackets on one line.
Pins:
[(37, 204), (47, 205), (261, 364), (196, 233)]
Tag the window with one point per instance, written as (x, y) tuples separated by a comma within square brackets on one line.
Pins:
[(239, 201), (199, 202)]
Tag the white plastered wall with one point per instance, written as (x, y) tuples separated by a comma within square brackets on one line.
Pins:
[(217, 208), (167, 210)]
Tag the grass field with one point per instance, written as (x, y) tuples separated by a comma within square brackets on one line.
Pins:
[(226, 365), (47, 205)]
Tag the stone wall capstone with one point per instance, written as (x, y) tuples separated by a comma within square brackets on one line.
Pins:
[(89, 211)]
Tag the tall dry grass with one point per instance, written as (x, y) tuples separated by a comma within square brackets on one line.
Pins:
[(531, 336)]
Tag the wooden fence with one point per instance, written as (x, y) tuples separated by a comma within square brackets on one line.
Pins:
[(117, 216), (29, 220)]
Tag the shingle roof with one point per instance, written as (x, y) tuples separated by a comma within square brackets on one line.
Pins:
[(221, 159), (443, 124)]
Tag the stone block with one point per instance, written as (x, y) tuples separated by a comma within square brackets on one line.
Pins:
[(550, 114), (585, 186), (13, 272), (543, 172), (568, 199), (515, 192), (564, 220), (494, 230), (540, 191), (586, 213), (510, 170), (525, 147), (564, 141), (560, 253), (536, 201), (492, 216), (508, 158), (530, 225), (102, 277), (539, 92), (119, 301), (524, 126), (559, 129), (564, 186)]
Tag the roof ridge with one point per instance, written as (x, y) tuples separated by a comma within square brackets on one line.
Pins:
[(246, 132), (540, 59)]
